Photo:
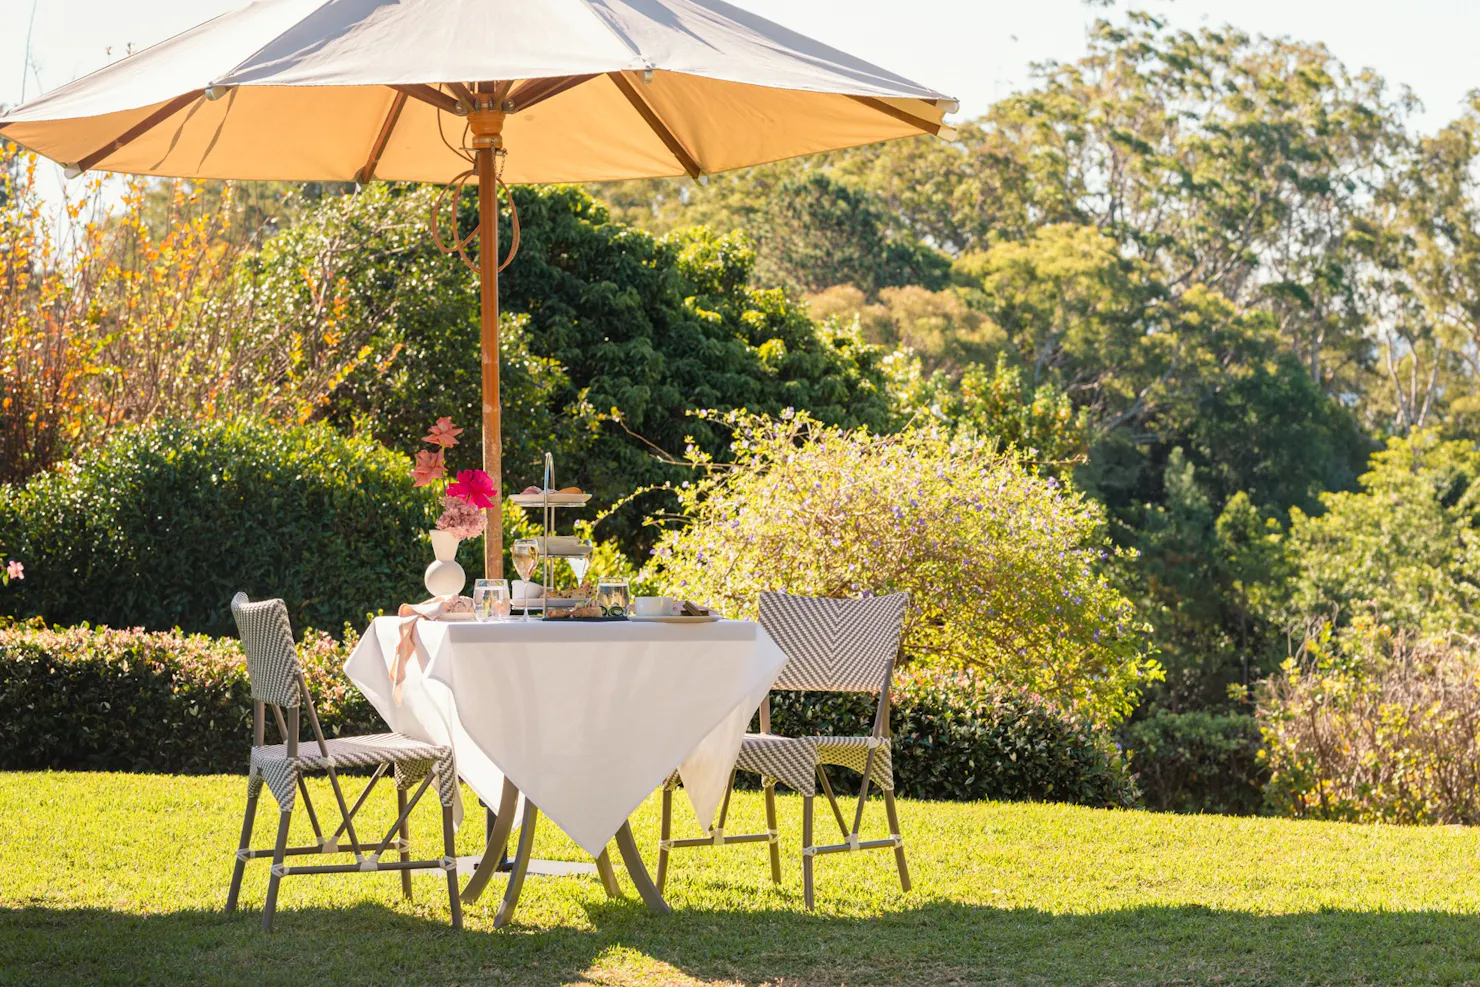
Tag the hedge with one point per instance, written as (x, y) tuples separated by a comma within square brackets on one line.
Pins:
[(131, 700), (110, 700), (161, 526), (956, 737), (1198, 761)]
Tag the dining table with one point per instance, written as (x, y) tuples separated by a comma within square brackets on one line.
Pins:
[(577, 720)]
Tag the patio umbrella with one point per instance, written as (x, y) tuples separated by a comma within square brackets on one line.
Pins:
[(492, 91)]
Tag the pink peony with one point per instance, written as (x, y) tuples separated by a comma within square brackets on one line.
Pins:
[(475, 487), (443, 434), (15, 570), (460, 518), (429, 466)]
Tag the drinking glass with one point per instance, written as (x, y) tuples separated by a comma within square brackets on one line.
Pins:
[(526, 552), (578, 566), (491, 600), (612, 596)]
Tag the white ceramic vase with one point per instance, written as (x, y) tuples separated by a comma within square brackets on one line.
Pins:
[(444, 577)]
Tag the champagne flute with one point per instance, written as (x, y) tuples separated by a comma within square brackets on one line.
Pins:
[(526, 552)]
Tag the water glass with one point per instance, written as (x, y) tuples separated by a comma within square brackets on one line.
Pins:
[(491, 600), (612, 596)]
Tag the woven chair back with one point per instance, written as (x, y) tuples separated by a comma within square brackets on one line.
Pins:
[(835, 645), (272, 659)]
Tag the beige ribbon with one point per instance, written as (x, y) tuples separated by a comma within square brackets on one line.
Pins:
[(410, 613)]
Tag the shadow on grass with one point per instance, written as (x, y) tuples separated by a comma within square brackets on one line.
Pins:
[(933, 943)]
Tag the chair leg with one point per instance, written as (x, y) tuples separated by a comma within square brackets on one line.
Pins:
[(449, 849), (770, 787), (278, 854), (807, 858), (904, 870), (405, 841), (665, 832), (241, 862)]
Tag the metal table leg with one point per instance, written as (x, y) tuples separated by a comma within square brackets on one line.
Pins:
[(498, 841), (521, 866), (638, 871)]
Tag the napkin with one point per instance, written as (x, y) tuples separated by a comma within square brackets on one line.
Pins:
[(410, 613)]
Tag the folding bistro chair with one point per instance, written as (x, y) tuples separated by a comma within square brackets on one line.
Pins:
[(832, 645), (277, 682)]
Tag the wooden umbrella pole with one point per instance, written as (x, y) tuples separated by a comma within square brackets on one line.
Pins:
[(487, 125)]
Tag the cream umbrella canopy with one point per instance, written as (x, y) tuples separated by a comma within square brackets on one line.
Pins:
[(495, 90)]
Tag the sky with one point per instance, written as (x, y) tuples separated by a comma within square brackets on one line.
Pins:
[(975, 50)]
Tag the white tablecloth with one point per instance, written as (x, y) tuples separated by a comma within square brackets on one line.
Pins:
[(586, 719)]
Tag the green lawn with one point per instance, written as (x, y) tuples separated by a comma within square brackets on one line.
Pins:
[(119, 879)]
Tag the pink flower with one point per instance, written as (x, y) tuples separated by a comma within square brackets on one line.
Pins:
[(429, 466), (15, 570), (443, 434), (460, 518), (475, 487)]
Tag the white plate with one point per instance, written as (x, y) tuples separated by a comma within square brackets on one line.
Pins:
[(689, 619), (553, 499)]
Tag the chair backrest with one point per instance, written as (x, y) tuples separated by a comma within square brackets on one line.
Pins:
[(835, 645), (272, 659)]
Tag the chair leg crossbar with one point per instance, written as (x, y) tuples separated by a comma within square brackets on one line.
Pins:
[(367, 858)]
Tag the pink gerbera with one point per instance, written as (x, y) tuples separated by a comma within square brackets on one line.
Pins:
[(443, 434), (475, 487), (429, 466), (15, 570)]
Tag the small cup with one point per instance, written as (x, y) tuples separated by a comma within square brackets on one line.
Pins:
[(491, 599), (654, 606)]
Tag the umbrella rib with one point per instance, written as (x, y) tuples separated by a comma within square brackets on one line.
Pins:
[(538, 90), (139, 129), (904, 116), (382, 138), (430, 94), (464, 95), (650, 115)]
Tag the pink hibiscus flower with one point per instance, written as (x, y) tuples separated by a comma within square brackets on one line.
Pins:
[(475, 487), (15, 570), (429, 466), (443, 434)]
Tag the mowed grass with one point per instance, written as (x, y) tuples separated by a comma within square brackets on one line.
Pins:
[(120, 879)]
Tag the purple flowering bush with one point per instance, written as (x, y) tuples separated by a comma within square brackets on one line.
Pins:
[(1005, 568)]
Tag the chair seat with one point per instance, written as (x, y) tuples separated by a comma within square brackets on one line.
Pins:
[(794, 760), (412, 760)]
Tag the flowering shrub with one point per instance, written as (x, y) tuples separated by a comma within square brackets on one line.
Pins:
[(1003, 567), (1383, 730), (115, 700)]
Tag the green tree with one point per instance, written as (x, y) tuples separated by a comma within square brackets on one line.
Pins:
[(607, 319), (1403, 550), (815, 232)]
